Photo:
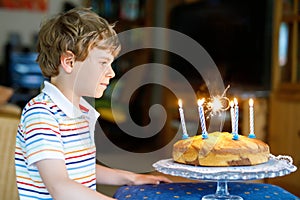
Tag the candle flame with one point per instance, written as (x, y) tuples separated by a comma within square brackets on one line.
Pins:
[(235, 101), (231, 103), (200, 102), (180, 103), (251, 102)]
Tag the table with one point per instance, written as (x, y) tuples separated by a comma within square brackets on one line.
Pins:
[(196, 190)]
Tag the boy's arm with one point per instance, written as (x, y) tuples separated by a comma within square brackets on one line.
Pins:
[(60, 186), (105, 175)]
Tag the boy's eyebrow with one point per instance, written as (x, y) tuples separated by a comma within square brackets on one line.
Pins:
[(106, 58)]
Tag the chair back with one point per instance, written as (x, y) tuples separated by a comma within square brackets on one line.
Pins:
[(8, 131)]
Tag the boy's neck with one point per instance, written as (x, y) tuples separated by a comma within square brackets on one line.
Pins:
[(67, 90)]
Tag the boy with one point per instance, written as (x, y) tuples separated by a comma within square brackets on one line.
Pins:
[(55, 151)]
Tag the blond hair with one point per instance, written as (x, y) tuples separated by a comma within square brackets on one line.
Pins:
[(78, 30)]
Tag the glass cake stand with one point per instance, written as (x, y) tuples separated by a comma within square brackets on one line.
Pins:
[(276, 166)]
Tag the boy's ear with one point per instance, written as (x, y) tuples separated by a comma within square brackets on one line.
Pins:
[(67, 60)]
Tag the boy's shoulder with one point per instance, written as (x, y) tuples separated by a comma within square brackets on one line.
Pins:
[(40, 102)]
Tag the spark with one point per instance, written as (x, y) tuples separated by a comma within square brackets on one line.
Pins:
[(218, 104)]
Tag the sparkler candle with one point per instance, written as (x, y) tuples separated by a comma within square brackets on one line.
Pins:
[(185, 135), (202, 118), (251, 119), (236, 117), (231, 103)]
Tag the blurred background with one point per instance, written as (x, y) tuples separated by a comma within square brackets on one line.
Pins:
[(254, 44)]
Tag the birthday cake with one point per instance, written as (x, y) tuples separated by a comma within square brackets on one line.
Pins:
[(219, 149)]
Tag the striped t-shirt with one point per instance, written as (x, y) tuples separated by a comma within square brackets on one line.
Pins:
[(51, 128)]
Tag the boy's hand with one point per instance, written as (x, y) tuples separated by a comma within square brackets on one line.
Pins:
[(141, 179)]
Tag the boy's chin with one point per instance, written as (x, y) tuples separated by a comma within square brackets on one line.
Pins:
[(99, 95)]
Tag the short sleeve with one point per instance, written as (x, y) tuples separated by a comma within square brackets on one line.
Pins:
[(41, 135)]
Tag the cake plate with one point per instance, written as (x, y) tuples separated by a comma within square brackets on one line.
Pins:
[(276, 166)]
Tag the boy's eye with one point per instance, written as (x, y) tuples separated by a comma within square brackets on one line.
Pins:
[(104, 64)]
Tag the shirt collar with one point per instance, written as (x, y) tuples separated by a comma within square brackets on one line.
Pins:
[(65, 105)]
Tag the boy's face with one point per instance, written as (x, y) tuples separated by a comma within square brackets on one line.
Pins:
[(94, 73)]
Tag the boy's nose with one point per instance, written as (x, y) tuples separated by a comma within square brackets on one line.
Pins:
[(110, 72)]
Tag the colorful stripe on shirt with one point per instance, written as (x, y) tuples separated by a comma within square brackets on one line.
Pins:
[(46, 132)]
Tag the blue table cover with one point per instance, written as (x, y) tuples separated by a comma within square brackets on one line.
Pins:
[(195, 191)]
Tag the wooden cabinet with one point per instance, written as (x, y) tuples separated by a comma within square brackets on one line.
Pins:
[(286, 54), (284, 124), (284, 139)]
